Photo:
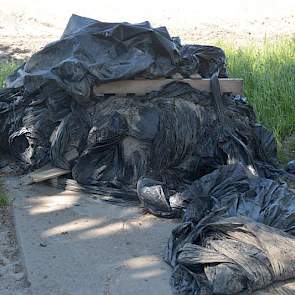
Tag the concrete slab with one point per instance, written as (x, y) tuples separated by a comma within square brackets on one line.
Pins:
[(75, 245)]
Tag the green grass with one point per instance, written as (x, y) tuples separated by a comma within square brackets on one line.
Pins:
[(268, 71), (6, 68), (4, 201)]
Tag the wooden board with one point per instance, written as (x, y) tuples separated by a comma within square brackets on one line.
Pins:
[(44, 173), (142, 87)]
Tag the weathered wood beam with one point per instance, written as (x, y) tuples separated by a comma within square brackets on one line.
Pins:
[(44, 173), (142, 87)]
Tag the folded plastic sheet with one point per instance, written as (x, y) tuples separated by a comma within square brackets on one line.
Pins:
[(92, 52), (229, 256), (235, 188), (232, 254)]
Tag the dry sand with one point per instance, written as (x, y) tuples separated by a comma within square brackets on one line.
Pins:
[(28, 25)]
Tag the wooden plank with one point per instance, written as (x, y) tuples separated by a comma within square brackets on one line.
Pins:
[(142, 87), (44, 173)]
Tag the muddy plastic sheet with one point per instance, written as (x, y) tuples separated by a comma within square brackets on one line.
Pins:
[(56, 83), (236, 188), (223, 245), (230, 256), (90, 52), (174, 135)]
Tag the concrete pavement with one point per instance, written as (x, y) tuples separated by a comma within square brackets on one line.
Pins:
[(74, 245)]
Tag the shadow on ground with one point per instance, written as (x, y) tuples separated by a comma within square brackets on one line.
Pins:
[(73, 244)]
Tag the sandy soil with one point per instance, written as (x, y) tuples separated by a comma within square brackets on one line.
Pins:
[(12, 275), (27, 25)]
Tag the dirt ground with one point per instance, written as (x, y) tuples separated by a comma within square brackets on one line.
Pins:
[(26, 26), (12, 273)]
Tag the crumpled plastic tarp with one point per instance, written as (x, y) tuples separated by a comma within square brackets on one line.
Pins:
[(90, 52), (179, 151), (235, 188), (231, 191), (56, 83), (230, 255)]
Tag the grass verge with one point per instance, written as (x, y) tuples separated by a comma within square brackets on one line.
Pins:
[(6, 68), (4, 201), (269, 84)]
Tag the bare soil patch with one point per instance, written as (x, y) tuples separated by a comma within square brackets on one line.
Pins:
[(12, 272)]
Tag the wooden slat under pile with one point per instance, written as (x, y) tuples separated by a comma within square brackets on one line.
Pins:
[(45, 173), (142, 87)]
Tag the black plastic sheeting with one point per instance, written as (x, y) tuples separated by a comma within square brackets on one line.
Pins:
[(213, 253), (236, 188), (230, 255), (180, 152)]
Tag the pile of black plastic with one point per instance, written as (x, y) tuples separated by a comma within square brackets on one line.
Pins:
[(182, 153)]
